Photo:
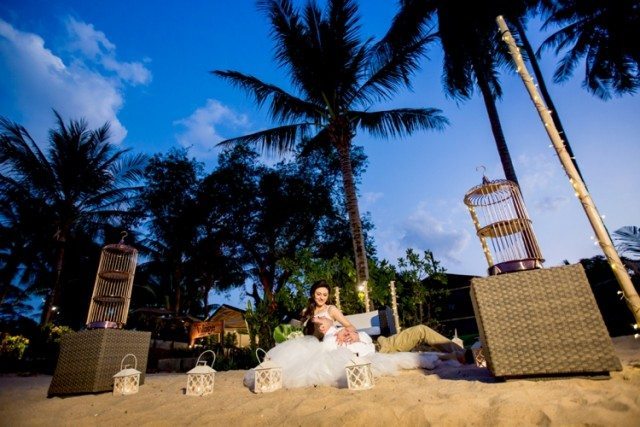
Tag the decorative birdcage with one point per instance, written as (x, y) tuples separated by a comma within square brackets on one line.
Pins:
[(112, 289), (201, 379), (127, 381), (268, 375), (503, 227), (359, 374)]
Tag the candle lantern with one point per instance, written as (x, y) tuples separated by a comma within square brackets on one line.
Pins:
[(201, 378), (502, 223), (127, 381), (268, 375), (478, 355), (359, 375)]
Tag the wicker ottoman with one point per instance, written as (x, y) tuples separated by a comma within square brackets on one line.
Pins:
[(542, 323), (89, 359)]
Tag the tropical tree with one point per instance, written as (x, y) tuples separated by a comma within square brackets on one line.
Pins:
[(82, 182), (472, 54), (337, 77), (169, 201), (606, 35), (628, 240)]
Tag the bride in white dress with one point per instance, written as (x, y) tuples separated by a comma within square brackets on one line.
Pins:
[(308, 361)]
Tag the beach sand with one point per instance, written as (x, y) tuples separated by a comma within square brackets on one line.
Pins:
[(446, 396)]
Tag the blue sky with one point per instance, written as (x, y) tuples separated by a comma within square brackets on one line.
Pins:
[(144, 66)]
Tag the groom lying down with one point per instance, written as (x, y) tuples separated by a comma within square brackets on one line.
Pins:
[(404, 341)]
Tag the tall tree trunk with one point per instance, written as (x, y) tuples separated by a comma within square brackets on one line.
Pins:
[(544, 91), (53, 296), (357, 236), (496, 127)]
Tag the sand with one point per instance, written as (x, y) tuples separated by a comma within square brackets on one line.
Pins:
[(447, 396)]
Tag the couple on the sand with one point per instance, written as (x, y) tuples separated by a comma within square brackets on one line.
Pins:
[(319, 357)]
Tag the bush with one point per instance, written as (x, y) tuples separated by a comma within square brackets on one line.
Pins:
[(12, 349)]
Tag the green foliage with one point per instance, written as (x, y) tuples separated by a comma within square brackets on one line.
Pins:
[(420, 300), (285, 331), (13, 346), (53, 333)]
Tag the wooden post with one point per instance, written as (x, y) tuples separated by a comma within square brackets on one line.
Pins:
[(394, 305), (364, 288), (581, 192)]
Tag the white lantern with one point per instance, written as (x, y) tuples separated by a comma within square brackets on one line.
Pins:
[(359, 375), (127, 381), (200, 380), (456, 339), (268, 375), (478, 355)]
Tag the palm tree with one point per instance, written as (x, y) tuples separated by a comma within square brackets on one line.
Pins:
[(516, 13), (628, 240), (83, 181), (337, 77), (472, 54), (606, 34)]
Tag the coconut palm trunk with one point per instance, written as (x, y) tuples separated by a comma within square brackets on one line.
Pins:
[(362, 268), (496, 127), (628, 290)]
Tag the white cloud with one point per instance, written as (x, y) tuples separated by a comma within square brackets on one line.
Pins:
[(201, 130), (422, 231), (95, 45), (39, 80), (550, 203), (368, 199)]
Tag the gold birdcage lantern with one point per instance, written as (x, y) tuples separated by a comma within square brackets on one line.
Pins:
[(268, 375), (112, 289), (201, 379), (359, 374), (503, 227), (127, 381)]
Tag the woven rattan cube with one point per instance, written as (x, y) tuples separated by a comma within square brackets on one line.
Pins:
[(542, 323), (89, 359)]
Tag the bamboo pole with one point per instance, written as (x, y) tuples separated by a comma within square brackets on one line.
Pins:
[(394, 305), (628, 291)]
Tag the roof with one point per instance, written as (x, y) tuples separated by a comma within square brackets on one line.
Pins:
[(233, 317)]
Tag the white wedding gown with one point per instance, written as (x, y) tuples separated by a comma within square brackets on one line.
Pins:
[(306, 362)]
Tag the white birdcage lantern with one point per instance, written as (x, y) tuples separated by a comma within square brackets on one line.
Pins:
[(201, 378), (127, 381), (268, 375), (478, 355), (359, 375)]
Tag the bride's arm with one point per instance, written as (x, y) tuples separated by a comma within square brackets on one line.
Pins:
[(337, 315)]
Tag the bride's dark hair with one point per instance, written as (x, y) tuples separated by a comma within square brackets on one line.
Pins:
[(307, 314)]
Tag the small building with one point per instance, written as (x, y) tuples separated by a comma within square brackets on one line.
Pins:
[(233, 321)]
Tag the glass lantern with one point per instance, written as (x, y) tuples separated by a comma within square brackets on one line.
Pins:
[(127, 381), (268, 375), (200, 380), (359, 375)]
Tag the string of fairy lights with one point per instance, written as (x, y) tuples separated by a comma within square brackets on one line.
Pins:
[(603, 240)]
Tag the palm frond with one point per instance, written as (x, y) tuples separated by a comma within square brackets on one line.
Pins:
[(400, 122), (278, 140), (283, 106), (628, 241)]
